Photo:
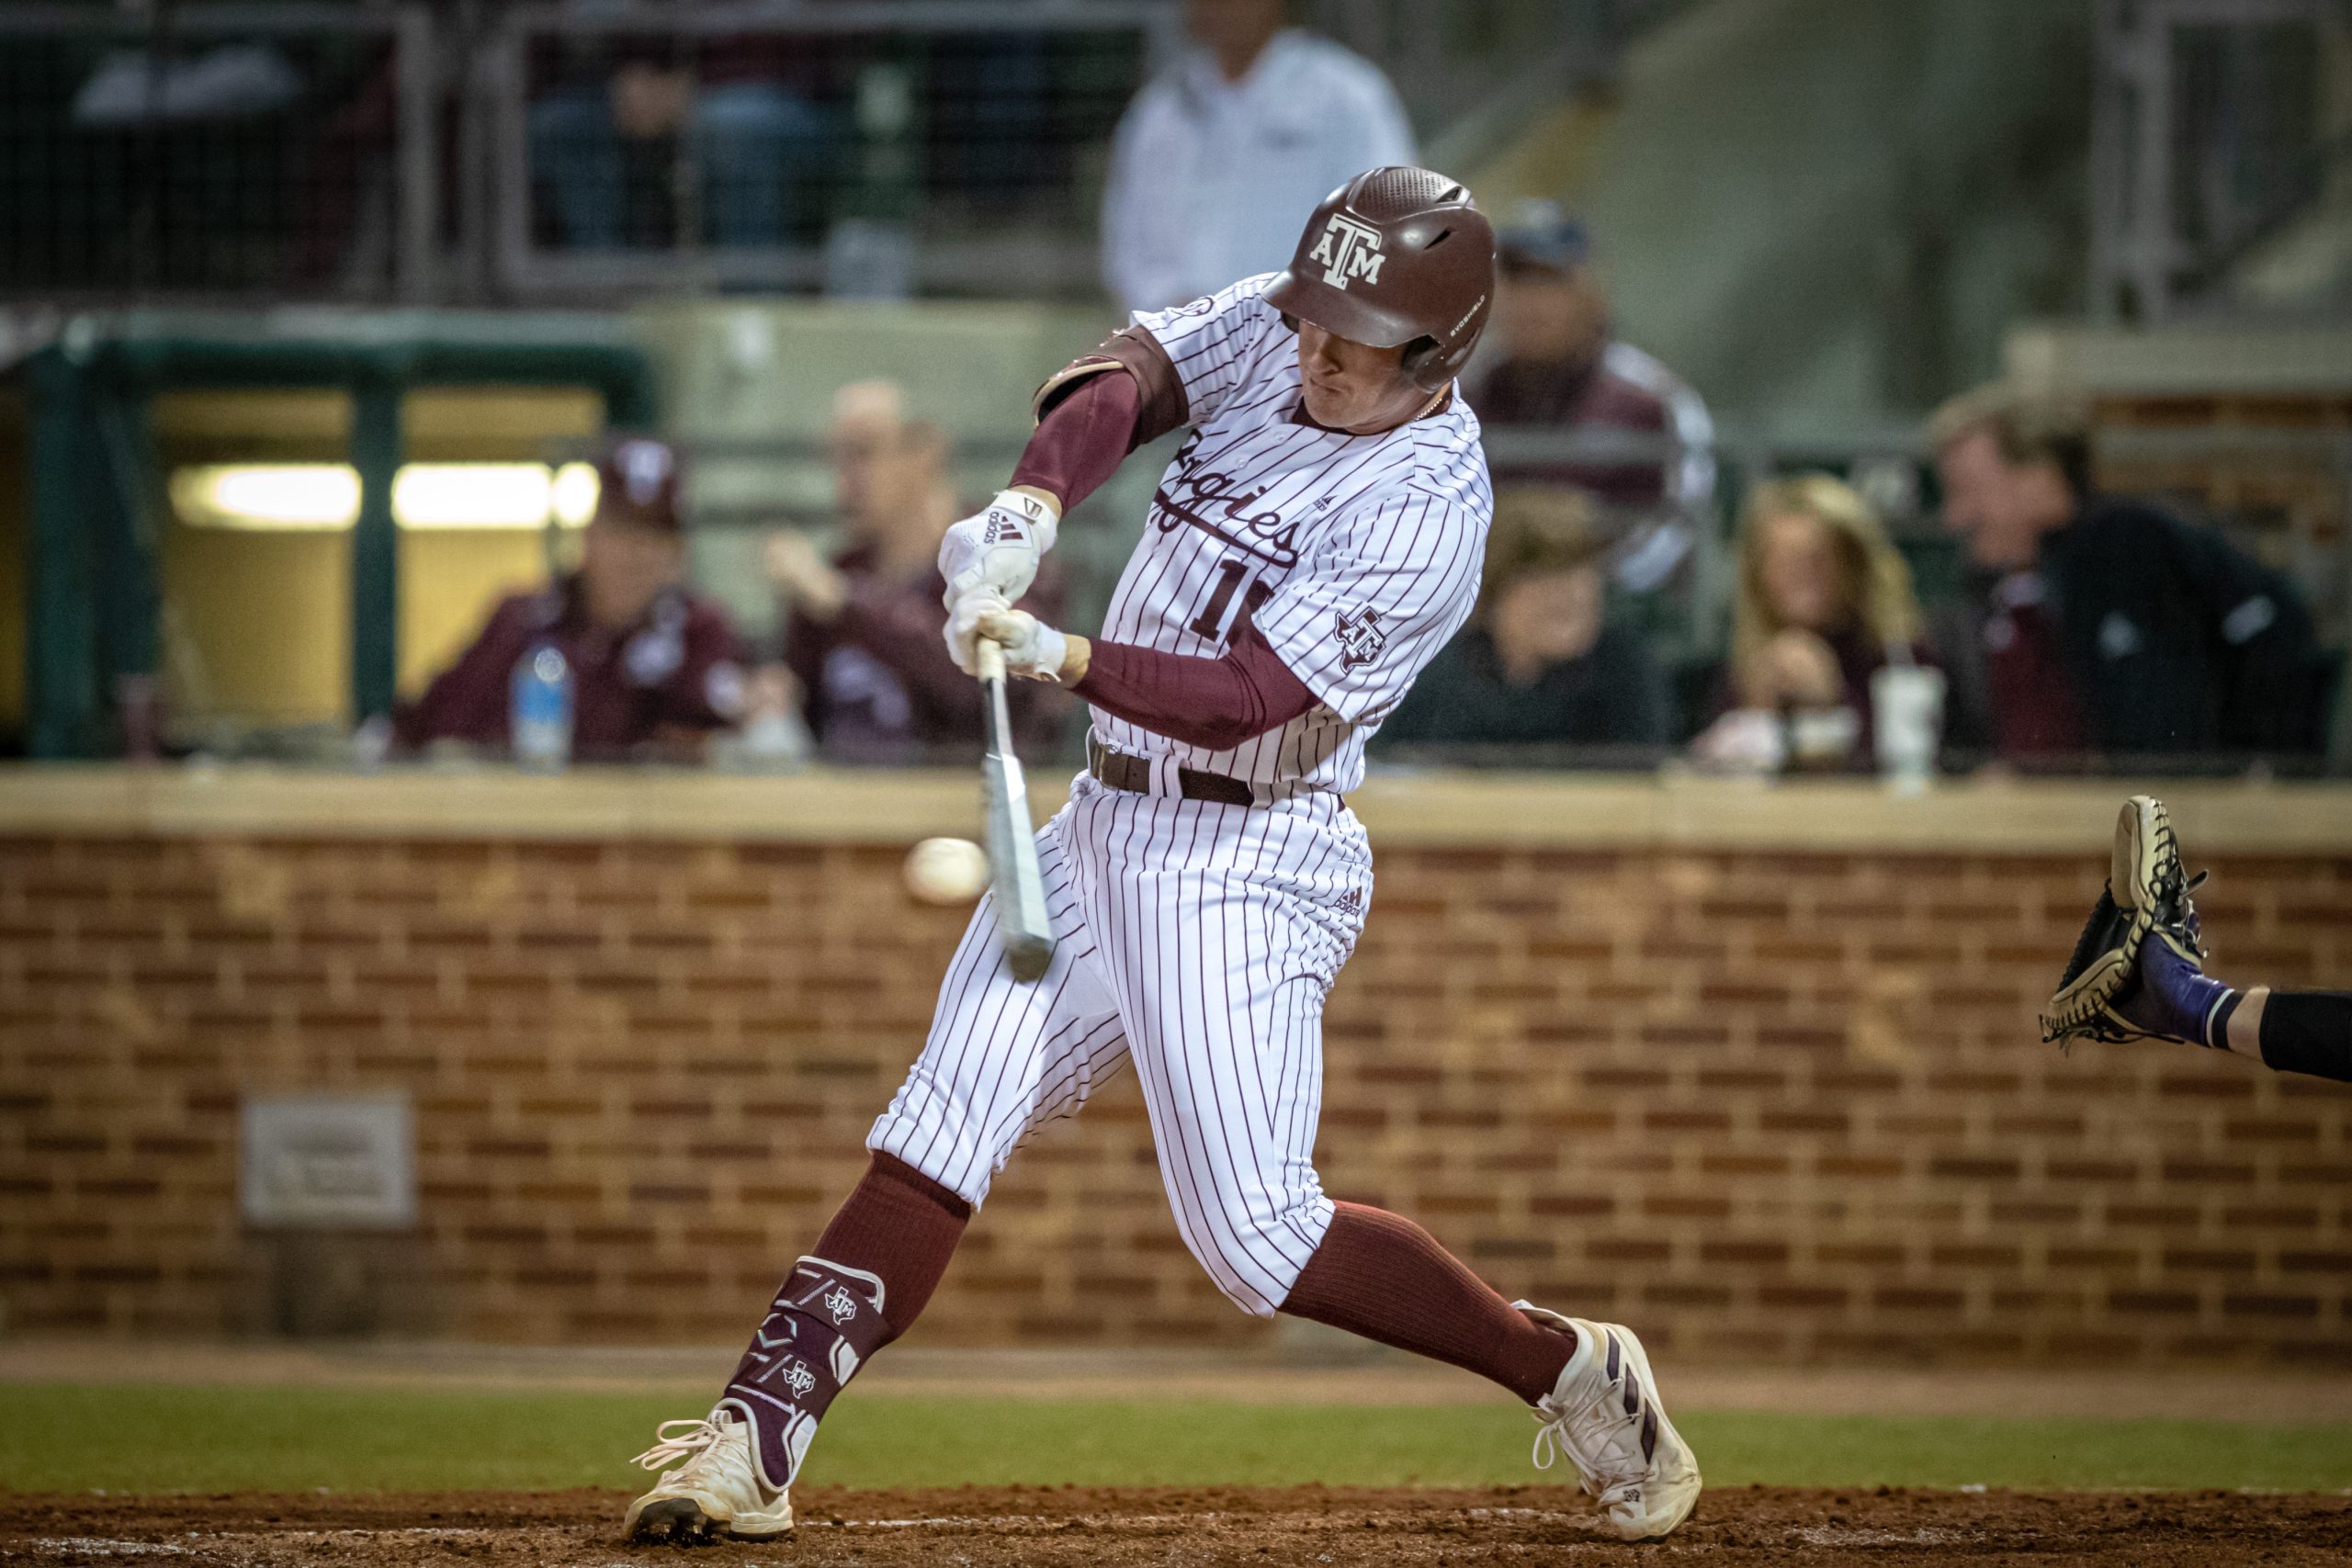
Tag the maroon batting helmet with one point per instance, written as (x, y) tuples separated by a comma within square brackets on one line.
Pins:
[(1396, 256)]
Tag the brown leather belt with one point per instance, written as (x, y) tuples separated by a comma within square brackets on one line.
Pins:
[(1120, 771)]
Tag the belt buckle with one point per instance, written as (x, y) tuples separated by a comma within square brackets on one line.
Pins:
[(1100, 758)]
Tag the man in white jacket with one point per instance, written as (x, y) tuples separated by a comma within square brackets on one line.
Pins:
[(1219, 154)]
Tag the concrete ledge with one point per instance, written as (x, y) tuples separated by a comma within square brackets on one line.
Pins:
[(1684, 811), (1400, 809)]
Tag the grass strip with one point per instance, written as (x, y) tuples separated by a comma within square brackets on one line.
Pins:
[(72, 1438)]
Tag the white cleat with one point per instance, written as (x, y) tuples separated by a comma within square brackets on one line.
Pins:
[(1605, 1414), (716, 1492)]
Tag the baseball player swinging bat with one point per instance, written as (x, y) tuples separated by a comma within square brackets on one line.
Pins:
[(1021, 921), (1315, 542)]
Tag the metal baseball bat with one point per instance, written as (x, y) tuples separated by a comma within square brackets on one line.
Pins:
[(1022, 924)]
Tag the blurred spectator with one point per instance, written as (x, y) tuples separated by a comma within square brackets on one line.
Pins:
[(345, 231), (133, 87), (751, 136), (653, 667), (1221, 158), (1562, 368), (773, 735), (864, 632), (2109, 624), (1824, 601), (1539, 664)]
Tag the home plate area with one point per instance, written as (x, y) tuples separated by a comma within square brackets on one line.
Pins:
[(977, 1525)]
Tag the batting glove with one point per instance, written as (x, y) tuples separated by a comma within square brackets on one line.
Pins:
[(1033, 650), (999, 548), (965, 612)]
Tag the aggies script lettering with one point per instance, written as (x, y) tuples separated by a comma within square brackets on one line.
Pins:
[(1206, 501)]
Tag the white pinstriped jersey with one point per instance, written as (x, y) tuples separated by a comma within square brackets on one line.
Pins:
[(1357, 556)]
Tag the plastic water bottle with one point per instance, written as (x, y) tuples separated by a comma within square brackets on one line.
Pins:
[(540, 720)]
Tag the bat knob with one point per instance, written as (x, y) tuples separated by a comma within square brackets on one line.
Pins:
[(1028, 959)]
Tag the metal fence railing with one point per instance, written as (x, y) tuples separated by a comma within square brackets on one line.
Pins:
[(867, 148), (2210, 129), (1450, 62), (463, 152), (477, 152), (217, 150)]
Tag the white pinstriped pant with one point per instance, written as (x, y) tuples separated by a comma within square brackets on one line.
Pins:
[(1197, 940)]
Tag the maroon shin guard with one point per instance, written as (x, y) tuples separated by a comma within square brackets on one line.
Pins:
[(875, 1267), (1383, 1277)]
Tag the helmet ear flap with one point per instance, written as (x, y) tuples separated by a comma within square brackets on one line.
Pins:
[(1418, 353)]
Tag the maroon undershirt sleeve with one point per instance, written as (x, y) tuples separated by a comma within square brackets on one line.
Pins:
[(1081, 442), (1096, 410), (1214, 703)]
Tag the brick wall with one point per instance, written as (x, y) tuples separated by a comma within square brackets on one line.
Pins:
[(1763, 1106)]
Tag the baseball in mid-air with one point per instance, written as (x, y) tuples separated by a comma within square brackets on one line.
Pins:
[(946, 870)]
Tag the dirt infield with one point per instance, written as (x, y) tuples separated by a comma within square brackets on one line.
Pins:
[(1026, 1526)]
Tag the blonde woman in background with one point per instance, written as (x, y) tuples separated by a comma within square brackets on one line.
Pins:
[(1824, 601)]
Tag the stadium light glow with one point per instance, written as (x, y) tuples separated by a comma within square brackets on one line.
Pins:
[(326, 496)]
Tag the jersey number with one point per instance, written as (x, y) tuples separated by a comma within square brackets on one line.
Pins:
[(1210, 623)]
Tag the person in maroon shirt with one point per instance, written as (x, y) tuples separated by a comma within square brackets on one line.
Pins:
[(862, 628), (1564, 369), (654, 668)]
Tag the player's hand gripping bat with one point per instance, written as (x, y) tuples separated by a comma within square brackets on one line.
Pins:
[(1021, 922)]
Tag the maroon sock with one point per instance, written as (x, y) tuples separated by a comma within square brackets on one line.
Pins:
[(900, 1226), (1383, 1277)]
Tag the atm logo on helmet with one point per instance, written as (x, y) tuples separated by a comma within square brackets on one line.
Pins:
[(1348, 249)]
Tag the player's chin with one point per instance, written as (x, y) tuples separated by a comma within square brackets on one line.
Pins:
[(1325, 407)]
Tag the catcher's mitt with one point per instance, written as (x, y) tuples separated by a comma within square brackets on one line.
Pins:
[(2146, 897)]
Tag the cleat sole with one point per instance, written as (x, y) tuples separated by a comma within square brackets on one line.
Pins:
[(677, 1521)]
